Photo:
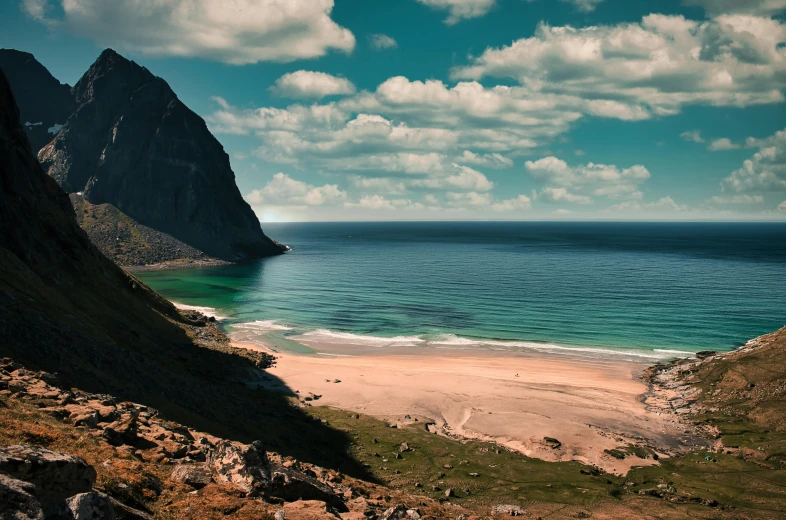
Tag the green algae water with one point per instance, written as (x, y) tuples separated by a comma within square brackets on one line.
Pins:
[(637, 291)]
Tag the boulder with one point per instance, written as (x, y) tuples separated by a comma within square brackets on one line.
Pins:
[(291, 485), (507, 509), (17, 500), (122, 431), (56, 476), (93, 505), (196, 476), (246, 466), (400, 512)]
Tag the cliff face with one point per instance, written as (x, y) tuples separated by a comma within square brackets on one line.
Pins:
[(44, 103), (133, 144)]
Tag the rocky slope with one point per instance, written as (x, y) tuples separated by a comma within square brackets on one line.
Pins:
[(132, 245), (133, 144), (44, 103), (140, 465)]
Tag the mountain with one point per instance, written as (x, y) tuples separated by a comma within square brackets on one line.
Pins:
[(132, 143), (44, 103)]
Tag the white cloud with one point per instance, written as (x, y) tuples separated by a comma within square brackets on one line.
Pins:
[(585, 6), (372, 202), (490, 160), (379, 184), (765, 171), (737, 199), (477, 201), (240, 32), (692, 136), (563, 195), (459, 10), (516, 204), (382, 41), (641, 70), (284, 190), (662, 205), (587, 180), (782, 206), (463, 177), (757, 7), (308, 84), (722, 144)]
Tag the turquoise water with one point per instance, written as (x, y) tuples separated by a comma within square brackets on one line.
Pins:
[(634, 291)]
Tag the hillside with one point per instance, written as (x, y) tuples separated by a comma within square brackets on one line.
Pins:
[(130, 244)]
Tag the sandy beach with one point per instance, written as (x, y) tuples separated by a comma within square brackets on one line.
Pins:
[(588, 406)]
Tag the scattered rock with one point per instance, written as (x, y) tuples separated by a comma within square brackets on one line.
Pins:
[(290, 485), (404, 447), (17, 500), (245, 466), (509, 510), (552, 443), (93, 505), (400, 512), (196, 476), (123, 431), (56, 476), (449, 493)]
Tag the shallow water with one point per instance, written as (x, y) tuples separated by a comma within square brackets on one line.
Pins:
[(640, 291)]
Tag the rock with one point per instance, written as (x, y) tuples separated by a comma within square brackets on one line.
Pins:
[(91, 506), (56, 476), (124, 512), (123, 431), (448, 466), (404, 447), (290, 485), (246, 466), (309, 510), (133, 144), (474, 474), (400, 512), (280, 515), (17, 500), (449, 493), (192, 475), (508, 510), (704, 354), (552, 443)]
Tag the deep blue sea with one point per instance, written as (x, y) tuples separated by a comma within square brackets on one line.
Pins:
[(643, 291)]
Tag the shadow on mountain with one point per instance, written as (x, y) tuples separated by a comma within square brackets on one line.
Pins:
[(67, 309)]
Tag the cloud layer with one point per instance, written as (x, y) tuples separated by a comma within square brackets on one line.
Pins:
[(245, 31), (308, 84)]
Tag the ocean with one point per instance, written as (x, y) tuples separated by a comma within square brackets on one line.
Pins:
[(634, 291)]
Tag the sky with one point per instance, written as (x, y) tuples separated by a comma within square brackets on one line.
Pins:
[(461, 109)]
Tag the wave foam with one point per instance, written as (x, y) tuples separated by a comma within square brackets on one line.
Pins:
[(452, 341), (261, 326), (207, 311)]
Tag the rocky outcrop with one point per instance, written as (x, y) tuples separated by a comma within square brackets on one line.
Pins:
[(44, 103), (56, 476), (92, 505), (17, 500), (247, 467), (133, 144)]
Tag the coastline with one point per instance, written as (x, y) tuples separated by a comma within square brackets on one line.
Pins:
[(553, 408)]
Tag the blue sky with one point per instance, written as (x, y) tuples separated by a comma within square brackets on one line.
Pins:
[(462, 109)]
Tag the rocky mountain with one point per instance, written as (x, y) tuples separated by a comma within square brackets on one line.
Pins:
[(44, 103), (132, 143)]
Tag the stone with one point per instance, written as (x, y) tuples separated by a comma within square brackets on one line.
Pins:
[(404, 447), (509, 510), (246, 466), (122, 431), (196, 476), (552, 443), (56, 476), (449, 493), (400, 512), (290, 485), (93, 505), (18, 501)]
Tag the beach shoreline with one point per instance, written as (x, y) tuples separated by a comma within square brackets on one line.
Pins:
[(555, 408)]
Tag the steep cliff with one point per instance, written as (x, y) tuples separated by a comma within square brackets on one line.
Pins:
[(44, 103), (133, 144)]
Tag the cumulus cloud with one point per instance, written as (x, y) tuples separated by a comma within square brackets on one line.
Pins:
[(722, 144), (585, 6), (464, 178), (662, 205), (459, 10), (474, 201), (382, 41), (379, 184), (634, 71), (489, 160), (245, 31), (577, 184), (757, 7), (765, 171), (782, 206), (309, 84), (284, 190), (692, 136), (737, 199)]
